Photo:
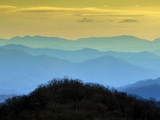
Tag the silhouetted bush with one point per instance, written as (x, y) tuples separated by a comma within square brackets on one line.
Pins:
[(65, 99)]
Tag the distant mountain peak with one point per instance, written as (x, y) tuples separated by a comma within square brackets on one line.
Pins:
[(88, 50), (21, 37)]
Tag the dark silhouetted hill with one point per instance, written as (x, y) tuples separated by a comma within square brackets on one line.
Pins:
[(72, 100)]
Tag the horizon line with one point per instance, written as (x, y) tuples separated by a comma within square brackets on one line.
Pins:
[(76, 38)]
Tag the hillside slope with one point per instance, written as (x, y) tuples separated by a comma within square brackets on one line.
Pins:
[(143, 59), (146, 88), (115, 43), (72, 100), (22, 72), (113, 71)]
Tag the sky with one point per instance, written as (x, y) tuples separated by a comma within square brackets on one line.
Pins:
[(73, 19)]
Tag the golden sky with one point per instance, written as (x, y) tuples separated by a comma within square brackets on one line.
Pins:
[(74, 19)]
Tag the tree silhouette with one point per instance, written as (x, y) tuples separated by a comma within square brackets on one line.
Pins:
[(67, 99)]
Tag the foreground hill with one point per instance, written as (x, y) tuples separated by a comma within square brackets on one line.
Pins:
[(72, 100), (146, 88)]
